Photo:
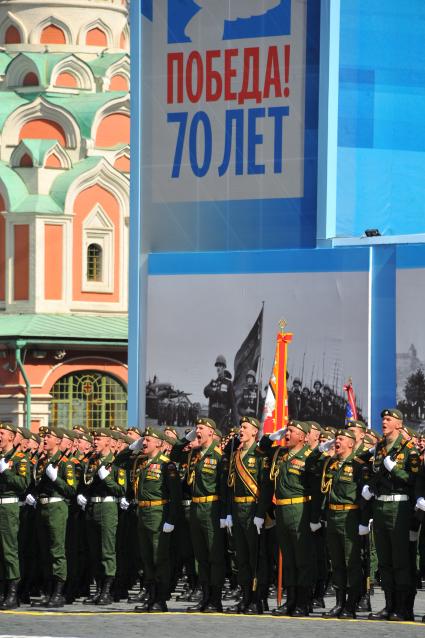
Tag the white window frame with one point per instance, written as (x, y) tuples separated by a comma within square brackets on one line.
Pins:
[(98, 229)]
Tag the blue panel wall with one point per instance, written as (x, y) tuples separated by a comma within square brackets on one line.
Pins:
[(381, 128)]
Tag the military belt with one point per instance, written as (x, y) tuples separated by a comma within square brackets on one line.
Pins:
[(186, 502), (8, 499), (44, 500), (343, 508), (293, 501), (103, 499), (162, 501), (244, 499), (205, 499), (392, 497)]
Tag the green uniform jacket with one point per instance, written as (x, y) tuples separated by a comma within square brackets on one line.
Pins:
[(257, 464), (65, 484), (157, 479), (115, 484), (401, 480), (15, 480)]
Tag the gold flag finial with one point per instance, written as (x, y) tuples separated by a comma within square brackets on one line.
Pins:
[(282, 325)]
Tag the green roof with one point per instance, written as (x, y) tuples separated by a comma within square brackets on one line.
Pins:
[(100, 65), (67, 327), (4, 62), (62, 183), (38, 149), (9, 102), (15, 186), (43, 62), (37, 204), (83, 106)]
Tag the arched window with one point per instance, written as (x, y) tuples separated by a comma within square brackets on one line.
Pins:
[(52, 34), (94, 262), (26, 161), (12, 35), (96, 37), (31, 79), (88, 397)]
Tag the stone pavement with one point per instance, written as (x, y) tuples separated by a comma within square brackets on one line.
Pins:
[(80, 621)]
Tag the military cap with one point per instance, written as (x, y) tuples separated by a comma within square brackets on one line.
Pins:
[(354, 423), (134, 429), (156, 433), (81, 428), (53, 431), (348, 433), (171, 429), (327, 436), (210, 423), (218, 433), (128, 440), (369, 440), (83, 436), (296, 381), (67, 434), (251, 420), (314, 426), (118, 428), (35, 437), (300, 425), (410, 431), (330, 429), (117, 435), (220, 361), (317, 382), (6, 425), (101, 432), (250, 373), (42, 430), (375, 434), (26, 433), (19, 429), (396, 414)]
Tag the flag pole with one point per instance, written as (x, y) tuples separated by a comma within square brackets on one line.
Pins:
[(260, 363)]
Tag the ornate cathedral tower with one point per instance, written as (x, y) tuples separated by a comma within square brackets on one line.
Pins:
[(64, 210)]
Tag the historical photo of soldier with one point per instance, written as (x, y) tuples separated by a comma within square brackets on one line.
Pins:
[(221, 397)]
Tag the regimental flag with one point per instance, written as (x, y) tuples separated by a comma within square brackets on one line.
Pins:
[(248, 355), (350, 408), (275, 413)]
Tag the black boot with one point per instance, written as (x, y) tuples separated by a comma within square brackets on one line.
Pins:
[(364, 603), (239, 606), (410, 603), (160, 602), (400, 603), (338, 607), (214, 605), (289, 605), (140, 597), (93, 598), (105, 597), (200, 606), (11, 600), (255, 605), (384, 614), (349, 610), (148, 603), (318, 594), (57, 599), (302, 607), (45, 596), (2, 590)]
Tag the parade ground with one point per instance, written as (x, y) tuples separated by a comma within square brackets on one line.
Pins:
[(79, 621)]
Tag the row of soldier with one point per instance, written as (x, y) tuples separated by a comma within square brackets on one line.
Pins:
[(99, 501)]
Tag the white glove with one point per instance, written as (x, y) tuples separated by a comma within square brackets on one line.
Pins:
[(102, 472), (420, 504), (315, 526), (366, 493), (190, 436), (258, 522), (278, 435), (413, 536), (229, 521), (136, 445), (30, 500), (4, 465), (389, 463), (363, 530), (124, 504), (82, 501), (52, 472), (325, 446), (372, 450), (167, 528), (223, 523)]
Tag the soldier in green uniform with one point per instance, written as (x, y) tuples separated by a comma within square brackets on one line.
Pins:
[(102, 486), (54, 486), (207, 478), (248, 476), (14, 479), (294, 476), (359, 430), (394, 465), (158, 494), (341, 486)]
